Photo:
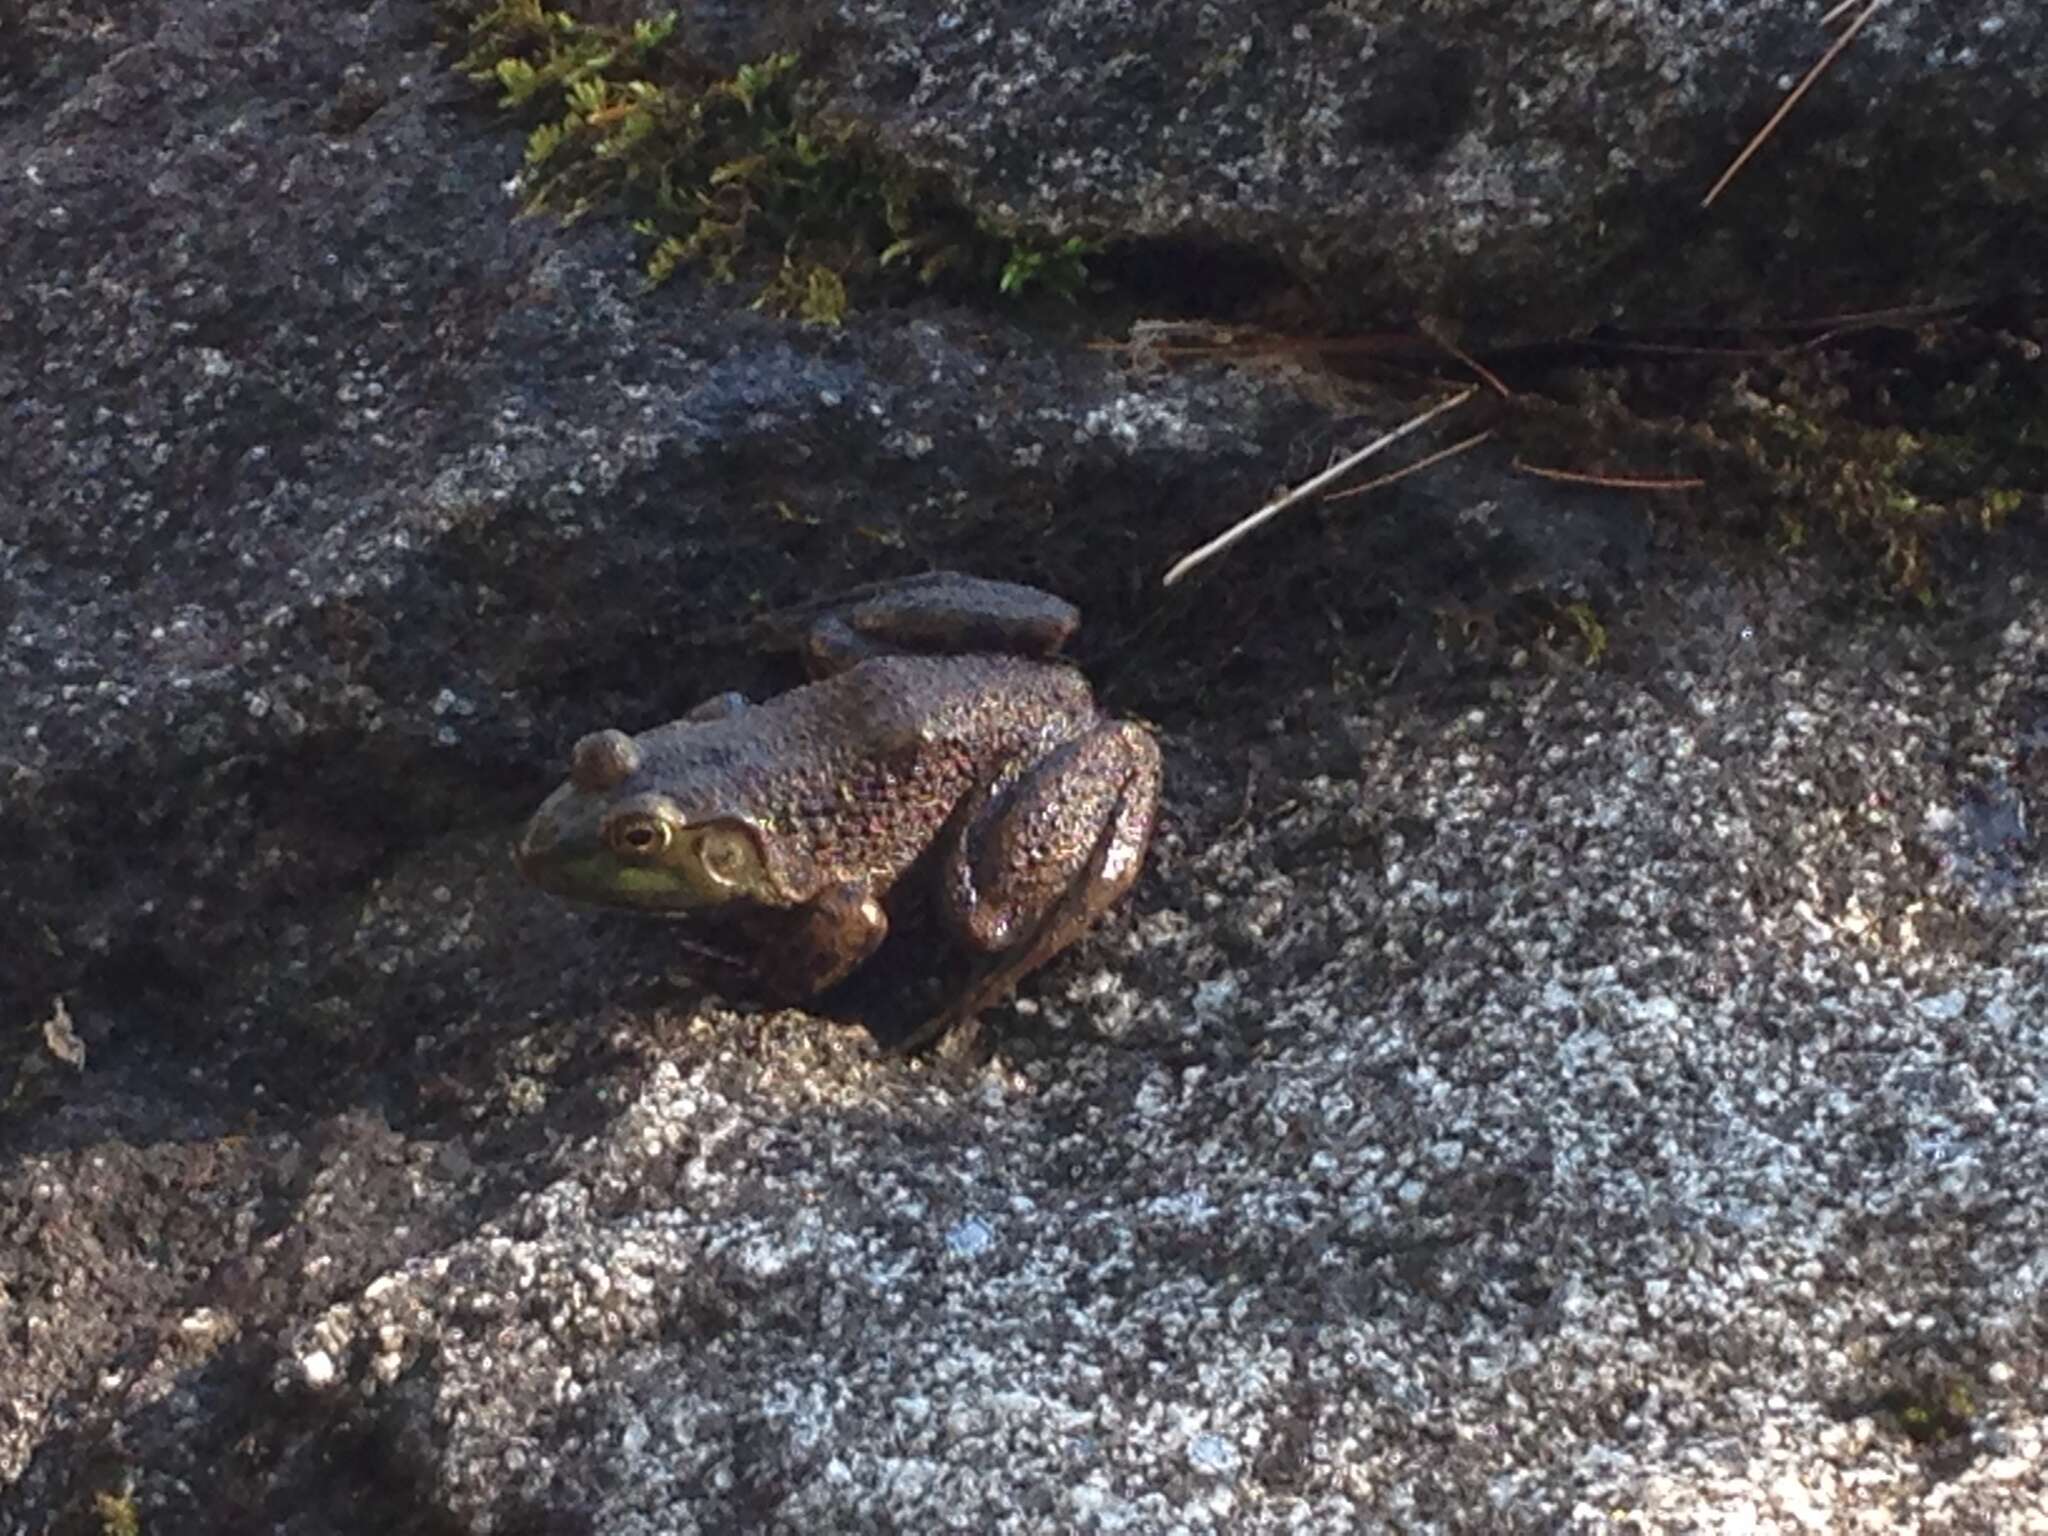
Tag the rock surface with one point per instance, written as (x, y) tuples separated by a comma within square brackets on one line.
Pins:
[(1572, 1103), (1518, 1098), (1526, 169)]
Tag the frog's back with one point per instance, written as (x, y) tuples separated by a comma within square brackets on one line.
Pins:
[(855, 775)]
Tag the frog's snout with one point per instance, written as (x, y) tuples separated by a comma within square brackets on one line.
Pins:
[(549, 835), (533, 844), (560, 829)]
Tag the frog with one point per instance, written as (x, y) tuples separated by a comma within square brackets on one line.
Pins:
[(943, 760)]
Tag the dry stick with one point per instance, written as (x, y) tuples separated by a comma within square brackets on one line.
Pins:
[(1485, 374), (1336, 471), (1875, 319), (1791, 101), (1835, 15), (1673, 349), (1838, 326), (1613, 482), (1393, 344), (1894, 313), (1412, 469)]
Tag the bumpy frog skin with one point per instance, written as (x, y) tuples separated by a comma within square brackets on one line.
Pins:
[(791, 826)]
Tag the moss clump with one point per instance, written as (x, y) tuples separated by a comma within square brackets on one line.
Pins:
[(1062, 269), (1557, 630), (744, 177), (813, 293), (1890, 478), (1591, 632), (118, 1515), (1934, 1411), (1891, 442)]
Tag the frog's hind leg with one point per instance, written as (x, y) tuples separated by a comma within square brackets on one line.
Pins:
[(1035, 864), (941, 613)]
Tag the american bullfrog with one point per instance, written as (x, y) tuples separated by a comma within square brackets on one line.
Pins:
[(944, 763)]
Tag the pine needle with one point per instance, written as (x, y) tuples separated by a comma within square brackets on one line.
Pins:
[(1309, 487), (1614, 482), (1413, 469), (1484, 374), (1792, 100)]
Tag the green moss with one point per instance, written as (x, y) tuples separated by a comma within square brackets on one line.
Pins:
[(1592, 633), (814, 294), (1557, 629), (743, 177), (1061, 269), (1937, 1411), (1891, 483), (1898, 450), (117, 1514)]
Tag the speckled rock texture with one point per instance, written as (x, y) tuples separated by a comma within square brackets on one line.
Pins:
[(1520, 1096), (1519, 169), (1582, 1105), (335, 499)]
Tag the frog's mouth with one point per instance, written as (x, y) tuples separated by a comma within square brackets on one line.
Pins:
[(575, 869), (640, 852), (603, 880)]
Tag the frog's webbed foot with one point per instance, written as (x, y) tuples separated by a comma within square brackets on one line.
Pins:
[(942, 613), (1041, 857), (709, 966)]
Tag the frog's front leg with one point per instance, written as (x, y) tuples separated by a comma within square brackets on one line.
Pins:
[(943, 613), (1038, 856), (802, 951)]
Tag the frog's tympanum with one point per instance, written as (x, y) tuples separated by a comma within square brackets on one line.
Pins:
[(943, 764)]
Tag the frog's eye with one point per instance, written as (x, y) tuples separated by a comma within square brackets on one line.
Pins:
[(637, 834), (725, 854)]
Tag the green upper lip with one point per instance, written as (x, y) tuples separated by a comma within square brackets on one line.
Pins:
[(594, 874)]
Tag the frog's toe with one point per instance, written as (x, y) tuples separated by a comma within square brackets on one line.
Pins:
[(963, 1037), (719, 706), (832, 646)]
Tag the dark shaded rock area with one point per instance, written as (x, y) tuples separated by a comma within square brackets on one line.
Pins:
[(1520, 1096), (1522, 170)]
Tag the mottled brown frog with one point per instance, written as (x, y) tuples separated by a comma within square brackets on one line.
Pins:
[(984, 774)]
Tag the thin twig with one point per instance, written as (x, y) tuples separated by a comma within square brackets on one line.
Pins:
[(1412, 469), (1309, 487), (1614, 482), (1486, 375), (1258, 345), (1825, 328), (1837, 13), (1791, 101), (1673, 349), (1896, 314), (1877, 319)]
